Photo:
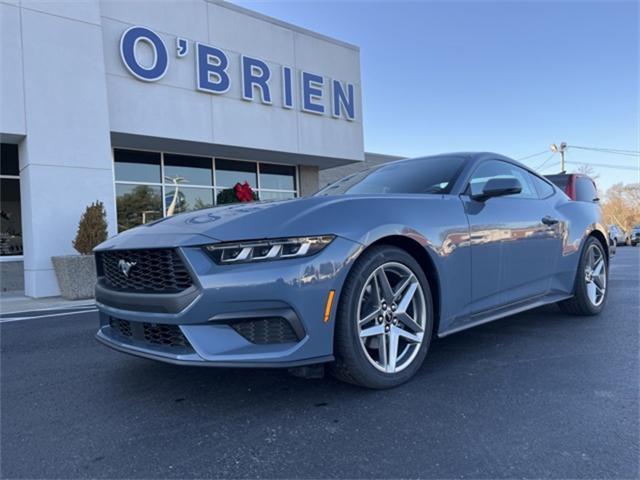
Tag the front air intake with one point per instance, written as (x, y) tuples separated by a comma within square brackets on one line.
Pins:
[(143, 271)]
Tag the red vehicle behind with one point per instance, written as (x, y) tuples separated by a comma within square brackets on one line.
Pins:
[(577, 186), (581, 188)]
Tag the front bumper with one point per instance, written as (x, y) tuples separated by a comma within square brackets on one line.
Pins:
[(292, 290)]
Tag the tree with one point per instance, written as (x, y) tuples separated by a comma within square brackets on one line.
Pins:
[(92, 229), (622, 205), (140, 205), (588, 170)]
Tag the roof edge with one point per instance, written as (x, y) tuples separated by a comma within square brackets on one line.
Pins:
[(281, 23)]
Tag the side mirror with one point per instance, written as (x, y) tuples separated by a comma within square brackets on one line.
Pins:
[(499, 187)]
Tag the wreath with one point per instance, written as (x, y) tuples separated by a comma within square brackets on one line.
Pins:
[(240, 193)]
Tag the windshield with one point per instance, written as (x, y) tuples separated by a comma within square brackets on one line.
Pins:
[(434, 175)]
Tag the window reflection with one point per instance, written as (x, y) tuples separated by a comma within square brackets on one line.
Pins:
[(230, 172), (193, 170), (150, 185), (136, 166), (178, 199), (10, 217), (276, 195), (137, 204), (277, 177)]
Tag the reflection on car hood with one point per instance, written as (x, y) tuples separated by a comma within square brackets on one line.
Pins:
[(246, 221), (350, 216)]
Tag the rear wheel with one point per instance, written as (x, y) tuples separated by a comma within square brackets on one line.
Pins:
[(591, 281), (384, 321)]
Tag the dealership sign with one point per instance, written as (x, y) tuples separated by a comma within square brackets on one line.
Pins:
[(214, 76)]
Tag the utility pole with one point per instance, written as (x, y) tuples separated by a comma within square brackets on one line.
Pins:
[(563, 148)]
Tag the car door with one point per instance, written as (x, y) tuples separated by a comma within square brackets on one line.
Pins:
[(515, 240)]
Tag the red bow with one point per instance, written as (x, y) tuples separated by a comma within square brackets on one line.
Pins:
[(244, 193)]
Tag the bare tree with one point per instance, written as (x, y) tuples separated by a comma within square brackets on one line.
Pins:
[(588, 170), (622, 205)]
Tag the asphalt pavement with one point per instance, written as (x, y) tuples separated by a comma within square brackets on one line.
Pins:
[(540, 394)]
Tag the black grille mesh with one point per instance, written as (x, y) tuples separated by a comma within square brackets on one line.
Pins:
[(152, 271), (169, 335), (153, 333), (266, 330), (123, 327)]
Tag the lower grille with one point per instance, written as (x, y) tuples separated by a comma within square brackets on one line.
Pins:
[(150, 333), (123, 327), (266, 330), (169, 335)]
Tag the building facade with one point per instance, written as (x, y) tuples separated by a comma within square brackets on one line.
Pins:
[(154, 108)]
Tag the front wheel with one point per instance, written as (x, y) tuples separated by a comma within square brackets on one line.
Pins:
[(591, 287), (384, 320)]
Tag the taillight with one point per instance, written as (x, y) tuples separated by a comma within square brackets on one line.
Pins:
[(571, 188)]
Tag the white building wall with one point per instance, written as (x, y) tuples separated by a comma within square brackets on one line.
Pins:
[(172, 107), (65, 158), (12, 118)]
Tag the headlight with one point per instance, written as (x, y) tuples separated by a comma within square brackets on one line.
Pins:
[(263, 250)]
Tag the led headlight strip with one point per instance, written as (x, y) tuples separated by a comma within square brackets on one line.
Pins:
[(264, 250)]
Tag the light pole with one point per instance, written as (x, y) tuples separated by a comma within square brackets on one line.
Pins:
[(563, 147)]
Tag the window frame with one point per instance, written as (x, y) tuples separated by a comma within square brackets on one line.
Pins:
[(14, 258), (214, 188)]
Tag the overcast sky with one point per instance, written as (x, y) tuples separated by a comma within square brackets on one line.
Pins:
[(509, 76)]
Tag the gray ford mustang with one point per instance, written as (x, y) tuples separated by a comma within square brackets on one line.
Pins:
[(359, 277)]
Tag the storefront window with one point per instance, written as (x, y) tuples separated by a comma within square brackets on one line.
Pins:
[(277, 177), (186, 183), (230, 172), (178, 199), (137, 166), (266, 195), (10, 213), (192, 170), (137, 204)]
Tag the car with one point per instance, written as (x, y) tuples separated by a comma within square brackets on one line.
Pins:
[(358, 278), (581, 188), (577, 186), (634, 235), (619, 235)]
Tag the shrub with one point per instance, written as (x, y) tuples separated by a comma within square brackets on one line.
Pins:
[(92, 229)]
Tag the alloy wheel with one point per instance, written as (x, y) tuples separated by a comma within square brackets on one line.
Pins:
[(391, 317), (595, 275)]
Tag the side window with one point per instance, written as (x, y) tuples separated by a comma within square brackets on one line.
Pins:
[(585, 190), (544, 189), (499, 169)]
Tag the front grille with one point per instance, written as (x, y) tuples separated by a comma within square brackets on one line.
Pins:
[(150, 333), (266, 330), (151, 271)]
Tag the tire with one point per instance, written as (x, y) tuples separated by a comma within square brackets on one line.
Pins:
[(582, 303), (367, 360)]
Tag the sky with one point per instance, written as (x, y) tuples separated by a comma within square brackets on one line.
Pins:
[(511, 77)]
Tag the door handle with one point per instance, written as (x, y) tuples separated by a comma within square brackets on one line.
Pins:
[(547, 220)]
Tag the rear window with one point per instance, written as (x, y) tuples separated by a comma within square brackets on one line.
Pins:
[(585, 190), (434, 175), (560, 181)]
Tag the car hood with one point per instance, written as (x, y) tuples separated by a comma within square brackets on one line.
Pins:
[(349, 216), (249, 221)]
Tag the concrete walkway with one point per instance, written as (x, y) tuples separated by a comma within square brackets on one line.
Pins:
[(15, 302)]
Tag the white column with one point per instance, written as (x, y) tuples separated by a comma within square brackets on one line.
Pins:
[(65, 159)]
